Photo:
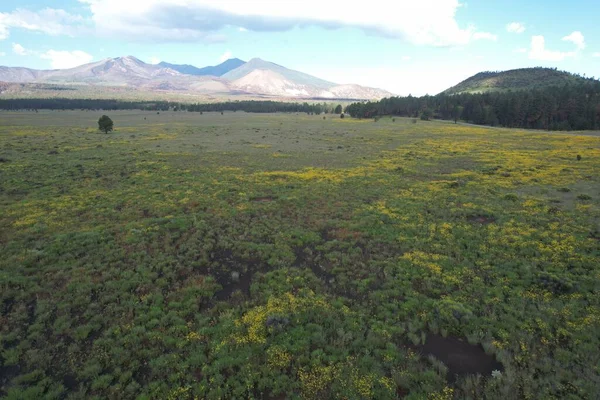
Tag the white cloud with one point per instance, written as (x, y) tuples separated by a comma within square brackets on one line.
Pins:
[(20, 50), (66, 59), (154, 60), (406, 58), (225, 56), (538, 51), (596, 54), (484, 36), (3, 27), (424, 22), (49, 21), (2, 54), (242, 29), (521, 50), (576, 38), (515, 27)]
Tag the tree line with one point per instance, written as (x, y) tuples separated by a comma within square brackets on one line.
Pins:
[(251, 106), (267, 106), (568, 107), (83, 104)]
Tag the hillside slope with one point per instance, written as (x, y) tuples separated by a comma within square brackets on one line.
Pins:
[(516, 79), (299, 78)]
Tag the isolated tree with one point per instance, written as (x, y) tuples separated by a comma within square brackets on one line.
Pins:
[(338, 109), (105, 124)]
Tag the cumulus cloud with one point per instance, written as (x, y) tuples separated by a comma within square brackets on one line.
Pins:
[(3, 27), (20, 50), (515, 27), (225, 56), (577, 39), (49, 21), (521, 50), (424, 22), (539, 51), (66, 59), (596, 54)]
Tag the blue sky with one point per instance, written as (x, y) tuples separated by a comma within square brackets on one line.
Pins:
[(414, 47)]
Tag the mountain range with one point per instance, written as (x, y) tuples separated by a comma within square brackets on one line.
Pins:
[(255, 78)]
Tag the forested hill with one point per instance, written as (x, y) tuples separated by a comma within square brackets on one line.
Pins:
[(567, 107), (516, 79)]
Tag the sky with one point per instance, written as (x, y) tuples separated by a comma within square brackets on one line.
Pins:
[(406, 47)]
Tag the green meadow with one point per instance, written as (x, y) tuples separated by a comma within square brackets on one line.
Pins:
[(247, 256)]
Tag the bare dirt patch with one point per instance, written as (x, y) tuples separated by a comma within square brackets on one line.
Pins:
[(481, 219), (264, 199)]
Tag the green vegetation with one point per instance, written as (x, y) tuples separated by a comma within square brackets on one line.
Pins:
[(426, 114), (569, 107), (516, 79), (286, 256), (105, 124), (100, 104)]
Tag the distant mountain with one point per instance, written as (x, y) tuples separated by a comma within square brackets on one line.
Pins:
[(115, 71), (182, 68), (299, 78), (254, 78), (18, 74), (516, 79), (217, 70), (267, 78), (118, 72)]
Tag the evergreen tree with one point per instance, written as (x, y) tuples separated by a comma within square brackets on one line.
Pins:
[(105, 124)]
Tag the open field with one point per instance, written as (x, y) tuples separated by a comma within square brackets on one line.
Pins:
[(286, 256)]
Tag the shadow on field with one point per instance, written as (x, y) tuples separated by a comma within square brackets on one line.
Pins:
[(460, 357), (231, 285)]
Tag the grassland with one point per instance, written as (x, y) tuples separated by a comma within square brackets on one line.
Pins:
[(287, 256)]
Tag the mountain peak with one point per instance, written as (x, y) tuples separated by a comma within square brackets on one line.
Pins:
[(129, 59), (299, 78), (258, 62)]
